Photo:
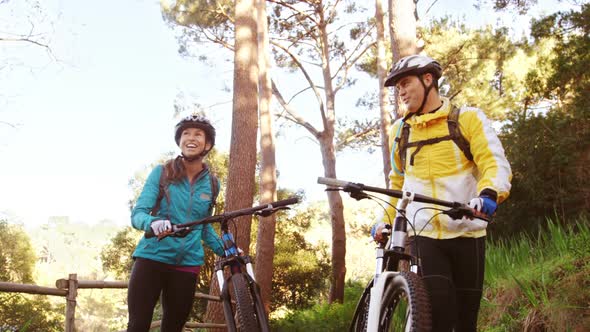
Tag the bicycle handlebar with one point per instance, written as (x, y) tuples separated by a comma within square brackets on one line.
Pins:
[(264, 210), (457, 209)]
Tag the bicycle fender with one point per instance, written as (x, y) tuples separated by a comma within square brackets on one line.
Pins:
[(375, 300)]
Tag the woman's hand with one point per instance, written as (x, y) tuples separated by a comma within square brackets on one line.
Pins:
[(160, 226)]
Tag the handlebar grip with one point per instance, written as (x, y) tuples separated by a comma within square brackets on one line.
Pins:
[(285, 202), (332, 182)]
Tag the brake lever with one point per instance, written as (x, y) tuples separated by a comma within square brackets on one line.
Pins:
[(269, 211), (461, 211), (174, 231)]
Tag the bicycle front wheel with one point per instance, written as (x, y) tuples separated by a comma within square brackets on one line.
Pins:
[(246, 319), (405, 305)]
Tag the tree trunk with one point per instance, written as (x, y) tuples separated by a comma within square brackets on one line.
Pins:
[(242, 155), (385, 116), (402, 25), (265, 248), (329, 159), (402, 32), (337, 220)]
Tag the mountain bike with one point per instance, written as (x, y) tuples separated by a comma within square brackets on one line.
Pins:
[(242, 304), (396, 299)]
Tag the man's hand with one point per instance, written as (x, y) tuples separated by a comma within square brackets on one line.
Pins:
[(380, 232), (483, 204), (160, 226)]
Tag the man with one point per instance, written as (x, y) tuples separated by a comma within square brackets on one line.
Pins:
[(450, 154)]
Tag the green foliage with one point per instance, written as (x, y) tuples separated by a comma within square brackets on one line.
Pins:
[(358, 135), (17, 261), (116, 255), (323, 317), (522, 6), (550, 151), (200, 20), (300, 268), (550, 170), (477, 65), (570, 80), (29, 313), (17, 258)]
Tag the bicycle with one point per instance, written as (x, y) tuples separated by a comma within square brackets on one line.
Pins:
[(249, 314), (396, 300)]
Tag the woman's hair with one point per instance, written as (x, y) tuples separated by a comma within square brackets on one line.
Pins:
[(174, 170)]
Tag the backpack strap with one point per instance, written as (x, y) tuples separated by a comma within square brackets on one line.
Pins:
[(420, 144), (402, 141), (455, 132), (214, 183), (162, 191)]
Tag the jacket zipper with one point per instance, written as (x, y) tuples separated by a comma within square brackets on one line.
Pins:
[(180, 255)]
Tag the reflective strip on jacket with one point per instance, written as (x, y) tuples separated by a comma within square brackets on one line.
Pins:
[(442, 171), (188, 202)]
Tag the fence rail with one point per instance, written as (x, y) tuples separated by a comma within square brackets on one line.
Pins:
[(68, 288)]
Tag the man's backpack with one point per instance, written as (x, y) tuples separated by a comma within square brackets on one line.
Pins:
[(454, 135), (163, 190)]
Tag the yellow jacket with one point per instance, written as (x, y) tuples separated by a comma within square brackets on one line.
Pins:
[(442, 171)]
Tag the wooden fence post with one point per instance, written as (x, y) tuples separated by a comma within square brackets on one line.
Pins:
[(71, 302)]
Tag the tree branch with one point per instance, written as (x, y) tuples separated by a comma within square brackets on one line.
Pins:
[(284, 4), (307, 77), (351, 138), (347, 63), (27, 40), (293, 116)]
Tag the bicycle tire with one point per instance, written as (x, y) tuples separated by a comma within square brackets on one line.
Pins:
[(405, 305), (361, 314), (246, 319)]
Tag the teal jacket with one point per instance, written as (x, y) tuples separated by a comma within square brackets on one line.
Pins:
[(188, 202)]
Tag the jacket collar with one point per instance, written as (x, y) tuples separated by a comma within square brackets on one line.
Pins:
[(424, 119)]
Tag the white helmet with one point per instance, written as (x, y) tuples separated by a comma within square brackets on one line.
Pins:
[(413, 65)]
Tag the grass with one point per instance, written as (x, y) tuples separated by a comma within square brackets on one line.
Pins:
[(539, 283)]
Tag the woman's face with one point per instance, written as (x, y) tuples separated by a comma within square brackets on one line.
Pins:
[(193, 142)]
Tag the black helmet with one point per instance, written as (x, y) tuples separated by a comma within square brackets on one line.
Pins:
[(413, 65), (195, 121)]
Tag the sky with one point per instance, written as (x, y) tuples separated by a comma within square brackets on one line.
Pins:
[(77, 124)]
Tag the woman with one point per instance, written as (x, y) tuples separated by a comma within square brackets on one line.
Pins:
[(177, 192)]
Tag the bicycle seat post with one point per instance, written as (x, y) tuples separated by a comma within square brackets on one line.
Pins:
[(400, 227)]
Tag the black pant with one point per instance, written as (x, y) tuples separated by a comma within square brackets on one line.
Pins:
[(149, 279), (453, 272)]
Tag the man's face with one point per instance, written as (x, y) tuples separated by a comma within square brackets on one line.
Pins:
[(411, 91)]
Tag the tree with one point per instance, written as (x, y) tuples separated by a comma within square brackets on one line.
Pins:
[(304, 37), (385, 116), (402, 34), (549, 151), (17, 260), (25, 29), (265, 247), (242, 154)]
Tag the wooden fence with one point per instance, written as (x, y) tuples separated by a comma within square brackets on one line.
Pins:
[(68, 288)]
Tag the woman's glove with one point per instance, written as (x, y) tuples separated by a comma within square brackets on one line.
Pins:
[(483, 204), (160, 226)]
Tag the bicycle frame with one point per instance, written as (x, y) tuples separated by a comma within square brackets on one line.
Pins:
[(396, 244)]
